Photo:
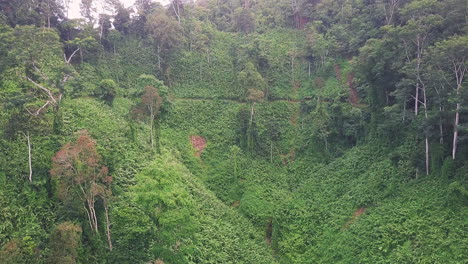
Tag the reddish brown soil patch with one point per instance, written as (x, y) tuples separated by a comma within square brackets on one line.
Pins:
[(235, 204), (359, 211), (356, 214), (198, 143), (338, 72)]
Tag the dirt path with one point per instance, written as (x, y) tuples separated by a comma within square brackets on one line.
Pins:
[(195, 99)]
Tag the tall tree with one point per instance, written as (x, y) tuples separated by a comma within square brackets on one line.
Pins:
[(253, 84), (88, 10), (150, 106), (416, 35), (165, 33), (450, 57), (82, 180)]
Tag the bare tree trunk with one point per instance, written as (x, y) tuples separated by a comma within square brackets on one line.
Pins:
[(89, 217), (441, 128), (151, 126), (109, 240), (92, 213), (176, 9), (455, 131), (427, 156), (252, 113), (393, 5), (459, 74), (404, 109), (29, 157), (159, 57), (101, 32), (416, 99), (427, 118), (151, 134)]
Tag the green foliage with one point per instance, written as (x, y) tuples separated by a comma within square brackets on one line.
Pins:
[(106, 91), (64, 243), (287, 131), (448, 168)]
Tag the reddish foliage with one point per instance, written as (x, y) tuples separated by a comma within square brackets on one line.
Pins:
[(77, 163), (11, 246), (198, 143)]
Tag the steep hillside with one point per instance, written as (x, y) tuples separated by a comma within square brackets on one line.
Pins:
[(233, 131)]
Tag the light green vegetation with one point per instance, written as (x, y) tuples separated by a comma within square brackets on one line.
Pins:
[(234, 132)]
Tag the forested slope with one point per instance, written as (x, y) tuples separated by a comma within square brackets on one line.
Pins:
[(234, 132)]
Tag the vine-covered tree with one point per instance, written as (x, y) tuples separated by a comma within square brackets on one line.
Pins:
[(253, 84), (106, 91), (64, 243), (150, 106)]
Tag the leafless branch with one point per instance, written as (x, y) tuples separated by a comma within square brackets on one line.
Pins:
[(71, 56), (51, 96)]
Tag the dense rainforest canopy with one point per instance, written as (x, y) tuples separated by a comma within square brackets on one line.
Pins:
[(234, 131)]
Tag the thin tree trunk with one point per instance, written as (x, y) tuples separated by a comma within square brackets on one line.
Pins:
[(89, 217), (151, 134), (252, 113), (455, 131), (427, 118), (109, 240), (441, 128), (427, 156), (159, 57), (416, 99), (176, 10), (93, 215), (29, 157)]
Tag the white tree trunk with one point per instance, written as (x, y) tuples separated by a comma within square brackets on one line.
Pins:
[(159, 57), (109, 240), (252, 111), (29, 157), (455, 131), (427, 155)]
